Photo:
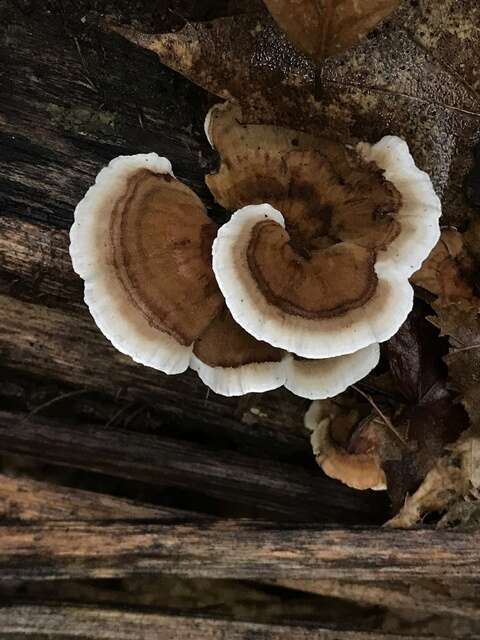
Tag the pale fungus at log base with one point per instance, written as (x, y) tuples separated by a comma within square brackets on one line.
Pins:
[(346, 447), (351, 229)]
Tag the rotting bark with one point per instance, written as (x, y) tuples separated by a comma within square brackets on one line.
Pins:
[(438, 596), (30, 621), (234, 549)]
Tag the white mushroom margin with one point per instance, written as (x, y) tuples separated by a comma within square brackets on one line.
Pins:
[(312, 379)]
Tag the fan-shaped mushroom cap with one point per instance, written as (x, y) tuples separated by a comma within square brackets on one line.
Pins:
[(351, 453), (141, 240), (231, 362), (328, 275), (334, 304), (325, 191), (419, 213)]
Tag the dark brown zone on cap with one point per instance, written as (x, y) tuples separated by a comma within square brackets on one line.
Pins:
[(225, 344), (347, 276)]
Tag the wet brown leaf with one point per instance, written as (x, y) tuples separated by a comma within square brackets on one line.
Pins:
[(328, 27), (416, 77), (429, 419), (449, 270), (414, 356), (461, 323)]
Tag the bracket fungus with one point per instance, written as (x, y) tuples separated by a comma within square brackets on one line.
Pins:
[(299, 298), (142, 242), (322, 270), (231, 362), (346, 447)]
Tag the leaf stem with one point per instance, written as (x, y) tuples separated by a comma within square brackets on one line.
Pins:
[(386, 420)]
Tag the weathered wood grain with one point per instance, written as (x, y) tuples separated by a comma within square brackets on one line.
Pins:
[(265, 488), (26, 500), (442, 596), (234, 549), (66, 622), (34, 260), (69, 103)]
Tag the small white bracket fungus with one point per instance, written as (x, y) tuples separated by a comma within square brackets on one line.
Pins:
[(326, 378), (312, 379), (231, 362)]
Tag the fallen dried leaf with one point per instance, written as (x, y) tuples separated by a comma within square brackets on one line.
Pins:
[(461, 323), (448, 272), (453, 478), (322, 29)]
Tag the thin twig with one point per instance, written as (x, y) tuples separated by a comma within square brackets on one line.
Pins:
[(59, 398), (469, 348), (133, 415), (386, 420), (86, 70), (112, 419), (206, 397)]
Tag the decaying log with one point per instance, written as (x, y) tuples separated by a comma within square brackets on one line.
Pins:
[(71, 99), (26, 500), (68, 622), (234, 549), (267, 488)]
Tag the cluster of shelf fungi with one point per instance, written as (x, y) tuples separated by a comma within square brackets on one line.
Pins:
[(142, 504)]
